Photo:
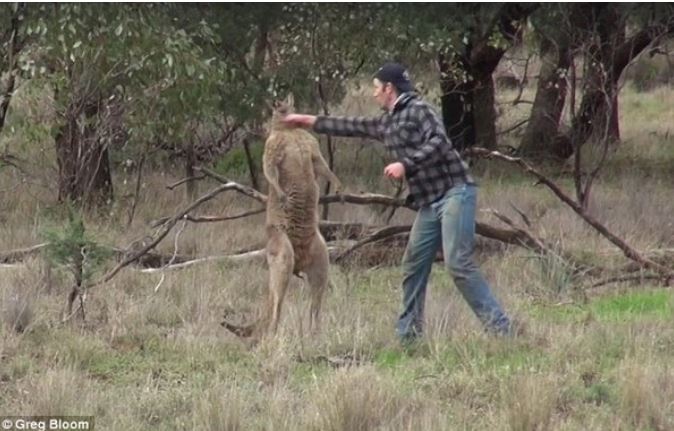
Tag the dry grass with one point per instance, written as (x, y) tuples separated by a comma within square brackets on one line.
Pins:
[(149, 359)]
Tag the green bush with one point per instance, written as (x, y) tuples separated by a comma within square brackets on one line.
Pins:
[(233, 163), (72, 248)]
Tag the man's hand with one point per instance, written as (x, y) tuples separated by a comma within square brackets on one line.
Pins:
[(299, 120), (395, 170)]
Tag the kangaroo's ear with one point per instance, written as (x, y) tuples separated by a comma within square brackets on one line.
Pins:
[(270, 105), (290, 100)]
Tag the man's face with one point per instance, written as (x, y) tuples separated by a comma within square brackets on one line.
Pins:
[(384, 94)]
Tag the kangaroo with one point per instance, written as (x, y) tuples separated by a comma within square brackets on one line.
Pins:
[(291, 163)]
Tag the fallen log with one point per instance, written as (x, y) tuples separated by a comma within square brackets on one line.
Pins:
[(235, 258)]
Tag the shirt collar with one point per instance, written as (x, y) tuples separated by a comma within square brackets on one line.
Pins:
[(395, 104), (402, 101)]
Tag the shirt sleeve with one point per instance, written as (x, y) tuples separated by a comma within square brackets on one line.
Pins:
[(434, 138), (350, 126)]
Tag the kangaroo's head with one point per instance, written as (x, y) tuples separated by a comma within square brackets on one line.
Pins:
[(281, 108)]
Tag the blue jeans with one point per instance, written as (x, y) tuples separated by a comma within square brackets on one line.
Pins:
[(449, 222)]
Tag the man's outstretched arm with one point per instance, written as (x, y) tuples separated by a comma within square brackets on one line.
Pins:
[(338, 126)]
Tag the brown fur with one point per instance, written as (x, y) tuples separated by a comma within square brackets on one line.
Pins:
[(291, 163)]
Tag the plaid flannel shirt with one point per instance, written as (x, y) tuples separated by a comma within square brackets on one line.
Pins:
[(415, 136)]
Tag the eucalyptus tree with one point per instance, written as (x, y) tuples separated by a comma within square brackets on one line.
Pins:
[(606, 38), (122, 75), (467, 41), (12, 40), (615, 35), (314, 51), (556, 31)]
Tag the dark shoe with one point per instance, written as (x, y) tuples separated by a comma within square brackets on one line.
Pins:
[(518, 328), (514, 329)]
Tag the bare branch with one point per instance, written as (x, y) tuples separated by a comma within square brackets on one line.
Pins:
[(231, 185), (173, 256), (365, 198), (522, 215), (510, 129), (641, 277), (185, 180), (628, 251), (166, 229), (523, 82), (210, 219), (378, 235), (235, 258), (19, 254)]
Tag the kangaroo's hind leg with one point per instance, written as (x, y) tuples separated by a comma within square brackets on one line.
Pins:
[(316, 270), (281, 260)]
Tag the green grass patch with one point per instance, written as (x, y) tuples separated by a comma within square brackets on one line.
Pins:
[(307, 373), (392, 358), (654, 304), (657, 303)]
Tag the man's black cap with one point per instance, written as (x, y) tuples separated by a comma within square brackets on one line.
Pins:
[(397, 75)]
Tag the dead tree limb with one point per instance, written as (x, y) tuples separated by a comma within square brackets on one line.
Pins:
[(333, 230), (248, 256), (20, 254), (513, 127), (173, 256), (624, 278), (210, 219), (378, 235), (520, 238), (516, 237), (364, 199), (529, 240), (627, 250), (234, 258), (248, 191), (185, 180), (162, 233)]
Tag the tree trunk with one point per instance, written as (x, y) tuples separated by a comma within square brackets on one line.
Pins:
[(468, 110), (467, 85), (14, 46), (5, 98), (83, 161), (605, 61), (546, 112), (457, 109), (252, 170), (192, 187), (484, 112), (598, 115)]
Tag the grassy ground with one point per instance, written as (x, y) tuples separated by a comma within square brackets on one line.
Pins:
[(151, 354)]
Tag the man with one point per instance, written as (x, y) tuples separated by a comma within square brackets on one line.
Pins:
[(440, 188)]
